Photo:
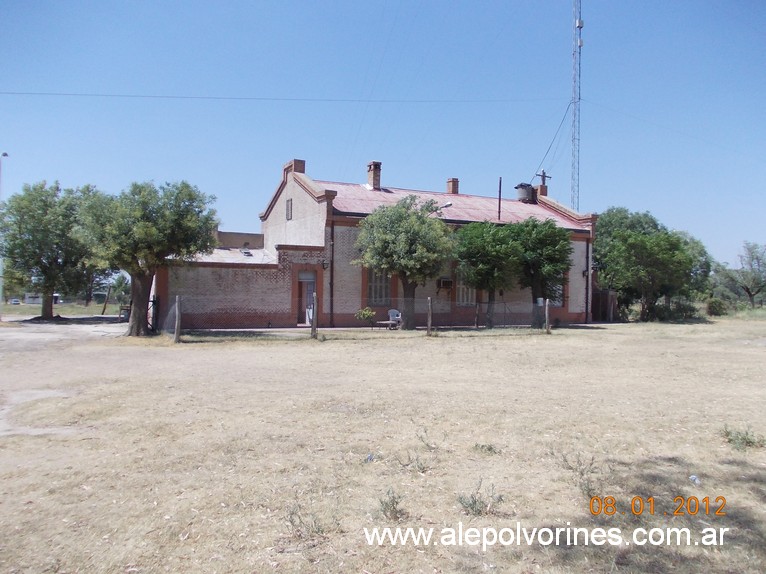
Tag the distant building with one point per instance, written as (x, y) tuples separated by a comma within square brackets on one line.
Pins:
[(307, 242)]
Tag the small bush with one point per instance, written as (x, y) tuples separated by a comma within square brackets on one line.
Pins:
[(742, 440), (477, 503), (676, 311), (389, 506), (486, 448), (716, 307), (588, 475), (366, 315), (302, 526)]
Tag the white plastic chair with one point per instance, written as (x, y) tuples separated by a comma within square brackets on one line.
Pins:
[(395, 318)]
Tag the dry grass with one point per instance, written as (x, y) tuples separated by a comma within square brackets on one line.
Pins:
[(273, 455)]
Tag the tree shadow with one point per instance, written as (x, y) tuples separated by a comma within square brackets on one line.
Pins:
[(85, 320), (667, 481)]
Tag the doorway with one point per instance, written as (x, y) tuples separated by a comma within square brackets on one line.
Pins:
[(307, 281)]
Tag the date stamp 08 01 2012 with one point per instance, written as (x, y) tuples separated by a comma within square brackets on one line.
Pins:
[(638, 505)]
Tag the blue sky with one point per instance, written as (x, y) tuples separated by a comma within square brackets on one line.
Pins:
[(672, 113)]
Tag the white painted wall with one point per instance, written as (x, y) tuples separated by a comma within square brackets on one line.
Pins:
[(306, 226)]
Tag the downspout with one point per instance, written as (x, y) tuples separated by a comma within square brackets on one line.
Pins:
[(332, 273)]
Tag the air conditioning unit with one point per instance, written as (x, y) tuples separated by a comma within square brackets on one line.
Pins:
[(444, 284)]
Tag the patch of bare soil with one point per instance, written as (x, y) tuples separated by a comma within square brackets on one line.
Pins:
[(274, 455)]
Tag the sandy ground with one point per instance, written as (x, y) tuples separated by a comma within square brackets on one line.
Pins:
[(121, 455)]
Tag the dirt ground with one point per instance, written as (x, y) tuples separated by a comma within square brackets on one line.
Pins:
[(273, 455)]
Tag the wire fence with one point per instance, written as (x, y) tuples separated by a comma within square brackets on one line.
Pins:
[(220, 314)]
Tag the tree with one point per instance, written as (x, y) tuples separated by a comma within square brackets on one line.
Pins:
[(146, 228), (41, 242), (751, 276), (488, 259), (121, 289), (545, 260), (640, 258), (698, 284), (405, 239), (612, 221), (651, 265)]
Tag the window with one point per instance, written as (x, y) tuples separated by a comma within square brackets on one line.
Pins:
[(289, 209), (378, 289), (465, 295), (557, 296)]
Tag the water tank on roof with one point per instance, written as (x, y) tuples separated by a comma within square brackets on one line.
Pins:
[(526, 193)]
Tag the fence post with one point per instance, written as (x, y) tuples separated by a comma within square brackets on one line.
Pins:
[(314, 315), (430, 313), (177, 331), (547, 317)]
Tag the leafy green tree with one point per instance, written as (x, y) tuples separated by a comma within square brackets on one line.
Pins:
[(41, 242), (640, 258), (612, 221), (698, 284), (148, 227), (14, 283), (545, 260), (751, 276), (651, 265), (405, 239), (121, 289), (488, 259)]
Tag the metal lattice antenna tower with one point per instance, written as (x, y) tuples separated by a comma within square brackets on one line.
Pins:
[(576, 52)]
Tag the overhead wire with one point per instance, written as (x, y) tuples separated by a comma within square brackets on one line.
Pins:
[(275, 98), (555, 136)]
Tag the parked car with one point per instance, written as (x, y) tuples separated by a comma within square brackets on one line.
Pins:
[(15, 302)]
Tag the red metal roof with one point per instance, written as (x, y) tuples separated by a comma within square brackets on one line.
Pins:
[(358, 199)]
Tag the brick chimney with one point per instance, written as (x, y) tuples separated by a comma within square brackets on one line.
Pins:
[(453, 184), (296, 165), (373, 174), (542, 190)]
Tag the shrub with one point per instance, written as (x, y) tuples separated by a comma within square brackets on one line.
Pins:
[(742, 440), (716, 307), (676, 311), (389, 506), (367, 315), (477, 503)]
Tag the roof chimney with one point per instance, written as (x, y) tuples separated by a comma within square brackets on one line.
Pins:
[(297, 166), (373, 174), (542, 190), (453, 184)]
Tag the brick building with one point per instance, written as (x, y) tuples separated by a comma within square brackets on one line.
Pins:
[(307, 242)]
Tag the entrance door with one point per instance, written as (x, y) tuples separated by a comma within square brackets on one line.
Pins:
[(306, 288)]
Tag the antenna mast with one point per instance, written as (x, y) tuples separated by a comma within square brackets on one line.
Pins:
[(576, 50)]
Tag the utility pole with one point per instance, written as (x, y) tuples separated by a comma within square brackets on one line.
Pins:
[(2, 293), (576, 53)]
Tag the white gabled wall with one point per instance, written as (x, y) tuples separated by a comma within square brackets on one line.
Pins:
[(577, 283), (307, 226)]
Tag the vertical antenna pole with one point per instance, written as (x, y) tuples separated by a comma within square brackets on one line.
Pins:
[(576, 53), (499, 197)]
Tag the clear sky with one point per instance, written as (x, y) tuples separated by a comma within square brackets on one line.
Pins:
[(673, 112)]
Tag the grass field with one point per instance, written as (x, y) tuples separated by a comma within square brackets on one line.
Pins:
[(120, 455), (65, 309)]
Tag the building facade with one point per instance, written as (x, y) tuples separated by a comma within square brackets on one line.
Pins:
[(308, 242)]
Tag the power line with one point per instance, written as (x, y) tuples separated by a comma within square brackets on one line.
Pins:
[(274, 98), (561, 123)]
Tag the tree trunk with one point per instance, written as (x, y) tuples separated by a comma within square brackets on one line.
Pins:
[(140, 290), (489, 320), (408, 312), (47, 309)]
